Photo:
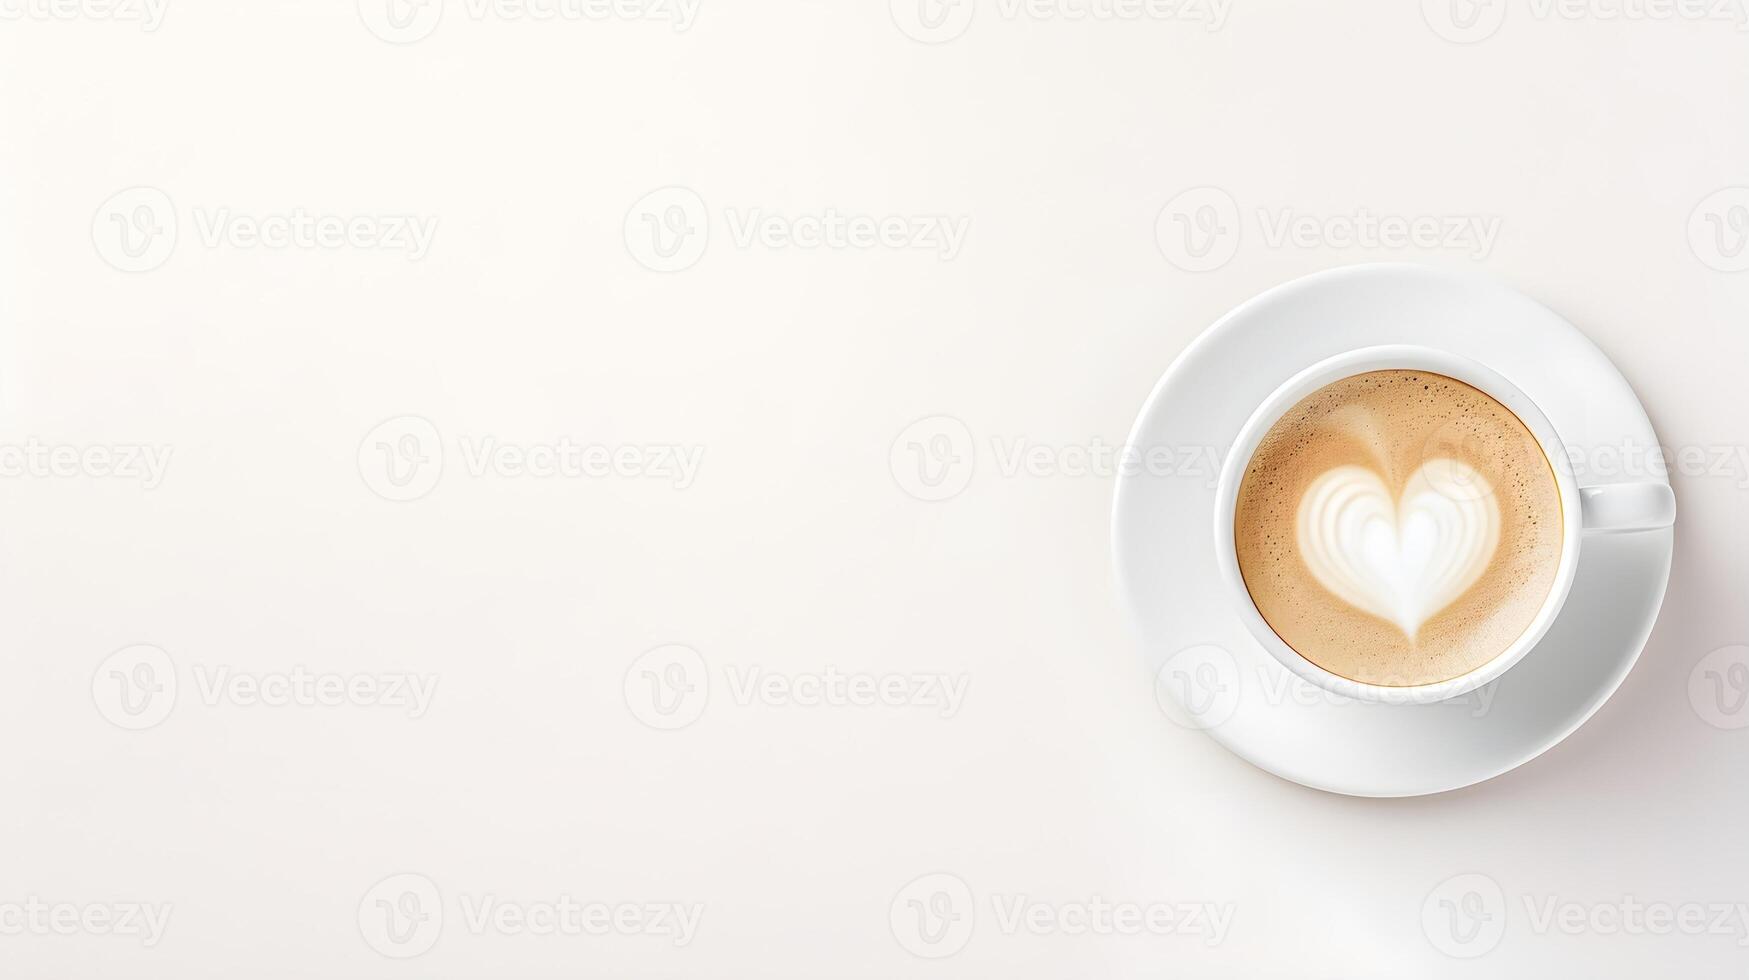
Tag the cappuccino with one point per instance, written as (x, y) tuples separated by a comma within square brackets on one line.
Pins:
[(1398, 528)]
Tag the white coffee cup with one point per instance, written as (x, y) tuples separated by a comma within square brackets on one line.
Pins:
[(1585, 510)]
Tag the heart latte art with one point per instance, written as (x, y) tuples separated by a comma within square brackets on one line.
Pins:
[(1398, 528), (1401, 560)]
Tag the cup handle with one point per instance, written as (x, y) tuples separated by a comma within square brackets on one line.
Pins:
[(1617, 507)]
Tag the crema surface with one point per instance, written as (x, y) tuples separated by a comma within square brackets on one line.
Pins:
[(1398, 528)]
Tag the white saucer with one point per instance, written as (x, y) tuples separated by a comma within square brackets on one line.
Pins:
[(1211, 674)]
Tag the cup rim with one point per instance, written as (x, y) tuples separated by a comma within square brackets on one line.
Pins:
[(1387, 357)]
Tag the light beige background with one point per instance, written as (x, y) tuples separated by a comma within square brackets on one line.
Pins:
[(798, 547)]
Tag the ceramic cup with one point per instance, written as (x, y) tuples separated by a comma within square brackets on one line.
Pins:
[(1585, 510)]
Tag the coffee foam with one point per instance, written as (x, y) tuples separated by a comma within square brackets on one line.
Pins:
[(1401, 560), (1398, 528)]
